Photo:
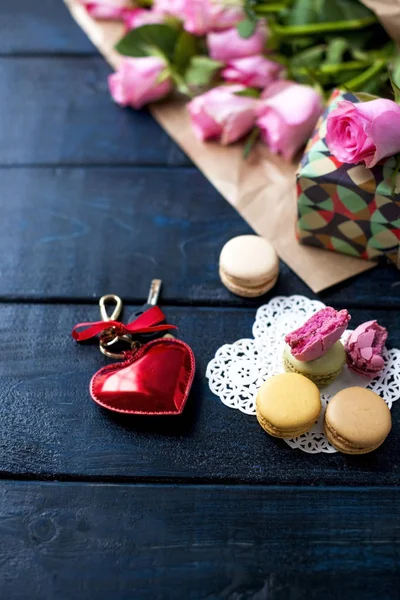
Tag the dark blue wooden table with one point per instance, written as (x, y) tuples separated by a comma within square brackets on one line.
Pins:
[(94, 200)]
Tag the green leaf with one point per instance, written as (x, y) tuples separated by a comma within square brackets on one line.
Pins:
[(312, 57), (378, 85), (394, 71), (202, 70), (396, 90), (336, 50), (395, 68), (370, 74), (250, 142), (364, 97), (143, 40), (247, 27), (180, 83), (304, 12), (249, 93), (301, 13), (248, 8), (185, 48)]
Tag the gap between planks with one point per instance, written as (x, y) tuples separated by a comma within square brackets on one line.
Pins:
[(189, 483), (174, 302), (101, 165)]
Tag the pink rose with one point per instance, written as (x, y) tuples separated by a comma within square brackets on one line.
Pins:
[(136, 83), (365, 132), (173, 8), (227, 45), (287, 115), (221, 114), (252, 71), (108, 10), (202, 16), (140, 16)]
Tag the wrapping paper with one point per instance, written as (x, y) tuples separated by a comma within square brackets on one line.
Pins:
[(262, 189), (388, 12), (347, 208)]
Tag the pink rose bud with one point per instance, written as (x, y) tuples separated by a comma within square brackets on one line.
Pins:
[(364, 132), (252, 71), (136, 83), (139, 16), (221, 114), (108, 10), (287, 116), (227, 45), (364, 349), (202, 16)]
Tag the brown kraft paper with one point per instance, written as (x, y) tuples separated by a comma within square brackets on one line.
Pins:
[(261, 188), (388, 12)]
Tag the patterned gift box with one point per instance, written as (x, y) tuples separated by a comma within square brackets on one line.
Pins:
[(346, 208)]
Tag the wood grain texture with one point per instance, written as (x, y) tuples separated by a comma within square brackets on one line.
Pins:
[(87, 541), (59, 110), (78, 233), (49, 426), (29, 27)]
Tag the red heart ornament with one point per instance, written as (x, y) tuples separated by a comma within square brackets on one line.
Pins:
[(156, 380)]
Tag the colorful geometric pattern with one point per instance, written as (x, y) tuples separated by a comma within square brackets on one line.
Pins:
[(346, 208)]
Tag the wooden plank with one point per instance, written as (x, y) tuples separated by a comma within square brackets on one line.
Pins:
[(49, 426), (94, 231), (59, 110), (40, 27), (79, 233), (121, 541)]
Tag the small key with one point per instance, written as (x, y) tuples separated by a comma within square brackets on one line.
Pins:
[(152, 300)]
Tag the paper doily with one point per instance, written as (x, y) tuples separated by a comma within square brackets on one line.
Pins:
[(239, 369)]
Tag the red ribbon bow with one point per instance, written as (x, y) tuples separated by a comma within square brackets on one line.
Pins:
[(148, 322)]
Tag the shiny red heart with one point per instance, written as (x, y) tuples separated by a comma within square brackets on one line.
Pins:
[(156, 380)]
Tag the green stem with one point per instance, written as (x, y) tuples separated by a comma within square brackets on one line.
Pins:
[(267, 9), (351, 65), (250, 142), (357, 83), (180, 82), (319, 28)]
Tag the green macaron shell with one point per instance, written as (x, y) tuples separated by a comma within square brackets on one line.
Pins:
[(322, 371)]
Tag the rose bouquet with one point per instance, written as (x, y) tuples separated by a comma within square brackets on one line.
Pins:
[(296, 52), (255, 68)]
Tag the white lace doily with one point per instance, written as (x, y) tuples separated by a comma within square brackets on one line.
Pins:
[(238, 370)]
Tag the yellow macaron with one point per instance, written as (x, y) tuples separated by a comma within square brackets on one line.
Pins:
[(357, 421), (248, 266), (288, 405)]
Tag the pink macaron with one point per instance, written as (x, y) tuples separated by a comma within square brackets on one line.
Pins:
[(313, 339), (364, 349)]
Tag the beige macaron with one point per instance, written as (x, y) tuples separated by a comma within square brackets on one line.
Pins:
[(357, 421), (248, 266)]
